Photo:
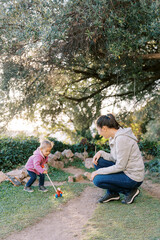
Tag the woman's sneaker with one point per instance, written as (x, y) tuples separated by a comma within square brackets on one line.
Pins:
[(28, 189), (109, 197), (43, 189), (129, 198)]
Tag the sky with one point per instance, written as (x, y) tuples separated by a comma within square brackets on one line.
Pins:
[(31, 128)]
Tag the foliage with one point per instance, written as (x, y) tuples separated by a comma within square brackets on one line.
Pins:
[(20, 209), (153, 170), (16, 151), (153, 165), (153, 130), (150, 148), (68, 56), (145, 121)]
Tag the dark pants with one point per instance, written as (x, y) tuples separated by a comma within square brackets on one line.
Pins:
[(34, 177), (116, 182)]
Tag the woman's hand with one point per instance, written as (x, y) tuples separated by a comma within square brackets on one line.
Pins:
[(45, 172), (96, 157), (93, 175)]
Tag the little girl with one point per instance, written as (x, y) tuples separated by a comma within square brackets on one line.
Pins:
[(35, 165)]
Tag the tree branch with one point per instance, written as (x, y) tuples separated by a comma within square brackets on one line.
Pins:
[(84, 98), (151, 56)]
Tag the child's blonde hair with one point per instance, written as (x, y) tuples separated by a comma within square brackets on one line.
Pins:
[(46, 143)]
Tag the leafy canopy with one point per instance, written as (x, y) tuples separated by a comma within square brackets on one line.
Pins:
[(62, 55)]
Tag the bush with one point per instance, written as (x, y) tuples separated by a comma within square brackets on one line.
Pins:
[(153, 165), (150, 148), (16, 151)]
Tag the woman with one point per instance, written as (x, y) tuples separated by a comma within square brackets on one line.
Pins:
[(121, 171)]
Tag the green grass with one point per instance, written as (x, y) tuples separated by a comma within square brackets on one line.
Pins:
[(20, 209), (57, 174), (154, 177), (79, 164), (153, 166), (138, 221)]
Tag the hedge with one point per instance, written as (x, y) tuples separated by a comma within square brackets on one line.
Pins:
[(150, 148), (153, 166), (16, 151)]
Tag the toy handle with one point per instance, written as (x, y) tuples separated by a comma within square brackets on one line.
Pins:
[(51, 182)]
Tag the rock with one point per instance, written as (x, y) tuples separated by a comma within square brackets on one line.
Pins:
[(2, 177), (88, 163), (58, 154), (78, 177), (56, 164), (71, 159), (14, 172), (52, 157), (85, 155), (79, 155), (88, 175), (25, 180), (24, 172), (67, 153), (19, 174), (65, 160), (70, 179)]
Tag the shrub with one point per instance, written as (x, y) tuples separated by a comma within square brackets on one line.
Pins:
[(153, 165), (150, 148), (16, 151)]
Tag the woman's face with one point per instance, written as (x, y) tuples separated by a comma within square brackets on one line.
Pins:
[(104, 131)]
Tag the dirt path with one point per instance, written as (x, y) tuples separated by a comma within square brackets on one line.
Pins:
[(66, 223), (73, 170), (47, 183), (152, 188)]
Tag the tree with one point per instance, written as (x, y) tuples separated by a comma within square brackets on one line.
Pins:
[(145, 121), (72, 51)]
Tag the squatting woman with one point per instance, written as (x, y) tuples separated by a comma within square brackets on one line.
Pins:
[(121, 170)]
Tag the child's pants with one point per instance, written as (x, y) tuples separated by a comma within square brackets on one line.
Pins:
[(34, 177)]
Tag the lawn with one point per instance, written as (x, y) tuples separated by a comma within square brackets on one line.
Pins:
[(20, 209), (57, 175), (138, 221)]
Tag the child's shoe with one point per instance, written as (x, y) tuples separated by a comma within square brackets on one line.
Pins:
[(28, 189), (43, 189)]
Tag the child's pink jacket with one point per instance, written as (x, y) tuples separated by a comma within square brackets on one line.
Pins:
[(36, 161)]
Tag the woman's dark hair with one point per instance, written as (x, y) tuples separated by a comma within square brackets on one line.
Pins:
[(109, 121)]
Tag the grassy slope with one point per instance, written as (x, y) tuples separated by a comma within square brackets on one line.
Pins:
[(19, 209), (138, 221)]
